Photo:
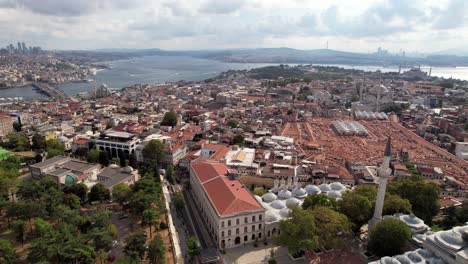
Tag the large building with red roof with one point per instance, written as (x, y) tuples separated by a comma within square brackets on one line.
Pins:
[(231, 213)]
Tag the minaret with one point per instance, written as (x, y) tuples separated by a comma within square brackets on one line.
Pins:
[(383, 172)]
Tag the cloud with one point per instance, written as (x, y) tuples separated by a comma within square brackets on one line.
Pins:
[(222, 7), (453, 16)]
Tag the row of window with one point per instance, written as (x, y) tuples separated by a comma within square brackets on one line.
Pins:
[(246, 220), (246, 229)]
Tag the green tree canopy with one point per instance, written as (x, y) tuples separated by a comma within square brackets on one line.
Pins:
[(104, 158), (331, 226), (193, 247), (93, 156), (99, 193), (169, 119), (153, 151), (157, 251), (78, 189), (148, 219), (170, 174), (38, 142), (358, 208), (238, 140), (298, 232), (7, 252), (135, 246), (17, 126), (179, 202), (388, 237), (395, 204), (321, 199), (121, 192), (423, 197)]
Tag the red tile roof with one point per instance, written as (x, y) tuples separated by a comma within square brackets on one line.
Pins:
[(227, 196)]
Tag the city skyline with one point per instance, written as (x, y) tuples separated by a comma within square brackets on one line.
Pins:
[(358, 26)]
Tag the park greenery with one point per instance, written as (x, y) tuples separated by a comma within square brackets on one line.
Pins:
[(388, 237)]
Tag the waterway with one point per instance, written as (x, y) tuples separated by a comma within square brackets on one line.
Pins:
[(158, 69)]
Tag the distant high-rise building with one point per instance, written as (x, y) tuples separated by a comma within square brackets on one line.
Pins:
[(19, 47), (24, 48)]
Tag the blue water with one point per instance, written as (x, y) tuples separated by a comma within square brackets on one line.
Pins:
[(158, 69)]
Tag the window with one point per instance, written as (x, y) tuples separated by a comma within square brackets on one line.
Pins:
[(237, 221), (237, 231), (253, 228), (259, 226), (229, 222), (222, 224), (253, 236), (229, 232), (259, 235), (260, 217), (245, 229), (245, 220), (246, 238), (253, 218), (222, 233)]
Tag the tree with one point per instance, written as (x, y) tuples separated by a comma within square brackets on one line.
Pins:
[(153, 151), (148, 219), (17, 126), (7, 252), (388, 237), (132, 161), (238, 140), (72, 201), (139, 201), (53, 153), (19, 227), (314, 200), (110, 124), (121, 192), (157, 251), (135, 246), (179, 202), (298, 233), (99, 193), (170, 174), (122, 160), (332, 227), (104, 158), (358, 208), (395, 204), (169, 119), (78, 189), (232, 123), (38, 142), (93, 156), (193, 247), (423, 197), (42, 227)]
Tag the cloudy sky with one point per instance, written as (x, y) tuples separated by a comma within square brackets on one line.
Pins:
[(352, 25)]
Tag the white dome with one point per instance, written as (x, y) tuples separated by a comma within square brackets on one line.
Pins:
[(389, 260), (312, 189), (449, 240), (113, 166), (403, 259), (271, 216), (269, 197), (299, 193), (284, 212), (424, 253), (415, 257), (62, 139), (278, 204), (258, 198), (334, 194), (284, 194), (337, 186), (324, 187), (127, 169), (292, 202)]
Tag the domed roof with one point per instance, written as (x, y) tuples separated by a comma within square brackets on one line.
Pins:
[(299, 193), (69, 179), (460, 230), (389, 260), (424, 253), (284, 194), (292, 202), (278, 204), (337, 186), (403, 259), (412, 220), (113, 166), (269, 197), (127, 169), (284, 212), (449, 240), (258, 198), (271, 216), (415, 257), (312, 189), (63, 139), (324, 187), (334, 194)]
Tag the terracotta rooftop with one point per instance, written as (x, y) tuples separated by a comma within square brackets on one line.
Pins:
[(227, 196)]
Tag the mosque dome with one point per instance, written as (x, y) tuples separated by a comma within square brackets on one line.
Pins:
[(424, 253), (127, 169), (324, 187), (113, 166), (284, 212), (299, 193), (70, 179), (62, 139), (337, 186), (449, 239), (258, 198), (389, 260), (269, 197), (403, 259), (292, 202), (415, 258), (271, 216), (284, 194), (334, 194), (312, 189), (278, 204)]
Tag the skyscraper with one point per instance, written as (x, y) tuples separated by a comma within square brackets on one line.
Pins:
[(19, 47), (383, 172)]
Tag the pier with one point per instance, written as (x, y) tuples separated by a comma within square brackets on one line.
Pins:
[(49, 90)]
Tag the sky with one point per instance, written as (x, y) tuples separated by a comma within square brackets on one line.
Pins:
[(350, 25)]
